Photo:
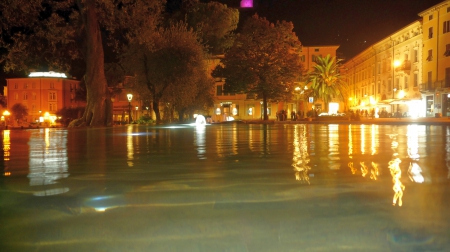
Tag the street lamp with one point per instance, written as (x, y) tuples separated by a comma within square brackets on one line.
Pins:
[(262, 109), (130, 97)]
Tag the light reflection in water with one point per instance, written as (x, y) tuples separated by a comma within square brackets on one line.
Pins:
[(6, 145), (333, 146), (48, 160), (414, 170), (447, 151), (396, 172), (199, 141), (300, 158), (130, 148)]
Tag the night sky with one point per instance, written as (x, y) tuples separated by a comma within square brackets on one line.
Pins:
[(352, 24)]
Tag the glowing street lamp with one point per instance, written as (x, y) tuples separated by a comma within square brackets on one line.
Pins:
[(130, 97)]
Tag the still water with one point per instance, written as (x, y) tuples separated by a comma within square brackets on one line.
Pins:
[(226, 187)]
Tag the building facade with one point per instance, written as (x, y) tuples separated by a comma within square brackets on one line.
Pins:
[(241, 106), (406, 73), (42, 94), (436, 59)]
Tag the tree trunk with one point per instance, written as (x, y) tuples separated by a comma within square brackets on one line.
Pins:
[(266, 117), (98, 108), (156, 110)]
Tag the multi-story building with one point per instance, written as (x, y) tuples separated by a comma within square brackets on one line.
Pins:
[(406, 73), (435, 85), (42, 93), (243, 106)]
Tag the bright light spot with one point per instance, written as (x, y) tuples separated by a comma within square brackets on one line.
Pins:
[(200, 120), (47, 74)]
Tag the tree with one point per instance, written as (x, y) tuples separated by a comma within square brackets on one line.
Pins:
[(214, 22), (19, 112), (55, 33), (263, 60), (172, 68), (325, 80)]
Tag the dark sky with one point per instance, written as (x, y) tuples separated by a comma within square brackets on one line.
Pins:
[(353, 24)]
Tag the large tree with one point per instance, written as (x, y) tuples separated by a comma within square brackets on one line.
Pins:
[(172, 68), (55, 33), (263, 60), (214, 22), (325, 80)]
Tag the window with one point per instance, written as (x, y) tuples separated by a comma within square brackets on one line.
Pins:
[(389, 84), (430, 32), (302, 58), (52, 107), (416, 56), (34, 96), (52, 96), (25, 85), (406, 56), (52, 85), (447, 50), (219, 90), (33, 107), (406, 82), (16, 96), (446, 26), (316, 49), (415, 80), (379, 87), (16, 86), (430, 17), (430, 55), (448, 9), (25, 96), (314, 58)]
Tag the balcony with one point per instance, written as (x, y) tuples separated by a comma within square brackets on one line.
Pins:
[(405, 66)]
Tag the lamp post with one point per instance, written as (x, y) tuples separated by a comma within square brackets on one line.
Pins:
[(262, 109), (130, 97)]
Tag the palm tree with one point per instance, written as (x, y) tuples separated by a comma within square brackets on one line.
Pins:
[(325, 80)]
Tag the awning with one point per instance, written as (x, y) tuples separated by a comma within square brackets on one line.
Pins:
[(403, 101)]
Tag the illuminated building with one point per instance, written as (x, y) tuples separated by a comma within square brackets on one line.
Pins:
[(247, 106), (406, 72), (42, 92)]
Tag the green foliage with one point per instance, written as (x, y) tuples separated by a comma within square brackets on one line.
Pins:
[(145, 119), (214, 23), (326, 81), (263, 60), (173, 68), (19, 111)]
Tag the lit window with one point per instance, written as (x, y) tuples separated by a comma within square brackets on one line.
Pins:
[(52, 96), (25, 96), (430, 55), (430, 32), (446, 26), (447, 50)]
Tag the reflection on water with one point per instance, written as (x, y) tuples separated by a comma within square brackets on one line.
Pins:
[(300, 158), (48, 160), (231, 183)]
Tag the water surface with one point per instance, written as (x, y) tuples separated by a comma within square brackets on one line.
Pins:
[(226, 187)]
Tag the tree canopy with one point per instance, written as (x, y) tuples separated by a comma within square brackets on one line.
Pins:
[(173, 68), (325, 80), (263, 60), (214, 23), (55, 34)]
